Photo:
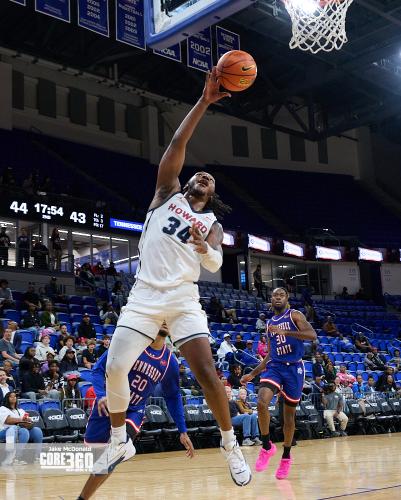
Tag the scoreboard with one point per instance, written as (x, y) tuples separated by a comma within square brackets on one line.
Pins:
[(167, 22)]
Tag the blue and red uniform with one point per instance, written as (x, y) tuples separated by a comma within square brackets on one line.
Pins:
[(151, 368), (285, 370)]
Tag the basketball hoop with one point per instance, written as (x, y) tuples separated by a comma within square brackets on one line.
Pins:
[(318, 24)]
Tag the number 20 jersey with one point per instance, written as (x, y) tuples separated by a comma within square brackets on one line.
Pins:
[(166, 260)]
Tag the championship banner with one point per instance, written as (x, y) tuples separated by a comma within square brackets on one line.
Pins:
[(93, 15), (200, 50), (60, 9), (19, 2), (130, 23), (226, 40), (173, 52)]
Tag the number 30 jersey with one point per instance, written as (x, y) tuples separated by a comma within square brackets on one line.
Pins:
[(282, 348), (165, 258)]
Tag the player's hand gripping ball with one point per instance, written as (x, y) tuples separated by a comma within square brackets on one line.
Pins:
[(236, 70)]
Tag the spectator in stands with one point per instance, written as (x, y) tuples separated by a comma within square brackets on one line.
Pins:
[(383, 377), (7, 349), (330, 373), (39, 253), (30, 319), (261, 323), (330, 328), (69, 362), (245, 408), (12, 380), (5, 243), (81, 345), (108, 315), (4, 387), (89, 355), (27, 360), (33, 385), (53, 291), (234, 379), (388, 385), (225, 347), (63, 335), (104, 345), (86, 274), (317, 385), (16, 337), (333, 403), (358, 388), (86, 329), (49, 317), (43, 347), (111, 270), (45, 366), (56, 249), (325, 358), (30, 297), (263, 347), (119, 295), (370, 387), (98, 269), (362, 343), (250, 357), (344, 294), (344, 344), (257, 280), (373, 361), (6, 297), (23, 249), (70, 393), (317, 366), (396, 359), (68, 346), (361, 295), (248, 422), (345, 377), (187, 383), (15, 424), (239, 343), (54, 381)]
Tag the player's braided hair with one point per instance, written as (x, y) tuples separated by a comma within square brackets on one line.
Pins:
[(215, 204)]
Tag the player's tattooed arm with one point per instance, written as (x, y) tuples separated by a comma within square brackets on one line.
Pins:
[(174, 157), (305, 329), (215, 237)]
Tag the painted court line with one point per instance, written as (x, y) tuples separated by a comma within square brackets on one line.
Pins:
[(360, 492)]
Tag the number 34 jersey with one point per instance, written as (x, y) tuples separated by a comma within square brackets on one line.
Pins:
[(166, 258)]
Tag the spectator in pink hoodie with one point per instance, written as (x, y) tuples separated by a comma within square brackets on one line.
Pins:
[(262, 346), (345, 378)]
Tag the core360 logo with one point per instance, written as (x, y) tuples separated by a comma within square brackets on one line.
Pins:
[(70, 461)]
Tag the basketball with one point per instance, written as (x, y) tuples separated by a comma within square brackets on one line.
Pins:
[(236, 70)]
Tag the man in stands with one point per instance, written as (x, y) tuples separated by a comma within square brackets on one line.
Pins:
[(86, 329), (68, 346), (373, 361), (330, 328), (40, 254), (316, 391), (370, 387), (334, 404), (345, 377), (257, 280), (30, 297), (187, 384), (317, 367), (225, 347), (358, 388), (4, 245), (7, 349), (6, 296), (362, 343), (31, 318), (239, 344), (250, 356), (4, 387), (89, 355), (104, 345), (261, 323), (248, 422)]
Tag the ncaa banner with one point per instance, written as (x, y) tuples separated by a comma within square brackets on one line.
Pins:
[(19, 2), (60, 9), (93, 15), (173, 52), (130, 23), (200, 50), (226, 40)]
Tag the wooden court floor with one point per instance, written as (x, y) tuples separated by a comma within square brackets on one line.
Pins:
[(358, 467)]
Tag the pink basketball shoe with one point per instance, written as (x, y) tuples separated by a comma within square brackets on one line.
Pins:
[(284, 468), (264, 457)]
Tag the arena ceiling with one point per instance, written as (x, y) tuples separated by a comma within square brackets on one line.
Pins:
[(337, 91)]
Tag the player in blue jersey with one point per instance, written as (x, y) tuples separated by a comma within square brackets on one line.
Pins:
[(282, 371), (155, 365)]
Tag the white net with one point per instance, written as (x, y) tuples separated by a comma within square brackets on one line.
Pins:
[(318, 24)]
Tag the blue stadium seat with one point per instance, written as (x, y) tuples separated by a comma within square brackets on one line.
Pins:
[(76, 318), (63, 317), (90, 310), (75, 299), (45, 404), (27, 336), (28, 404), (89, 301), (109, 329), (13, 315), (75, 308)]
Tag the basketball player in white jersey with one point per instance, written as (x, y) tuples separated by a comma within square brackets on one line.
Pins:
[(180, 234)]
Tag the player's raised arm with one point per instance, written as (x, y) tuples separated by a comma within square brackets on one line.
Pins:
[(173, 159)]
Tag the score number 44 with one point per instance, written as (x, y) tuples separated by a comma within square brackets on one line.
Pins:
[(42, 208)]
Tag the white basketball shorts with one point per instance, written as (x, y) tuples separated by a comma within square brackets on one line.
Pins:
[(148, 307)]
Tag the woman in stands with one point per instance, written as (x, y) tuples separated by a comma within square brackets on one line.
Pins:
[(27, 360), (56, 249), (15, 424), (263, 348), (70, 394)]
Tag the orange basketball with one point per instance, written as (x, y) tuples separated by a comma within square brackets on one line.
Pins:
[(236, 70)]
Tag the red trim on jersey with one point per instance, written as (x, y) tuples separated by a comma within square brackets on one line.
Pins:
[(131, 422), (152, 356), (168, 364)]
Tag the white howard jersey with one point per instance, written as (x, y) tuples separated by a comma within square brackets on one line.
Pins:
[(165, 258)]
